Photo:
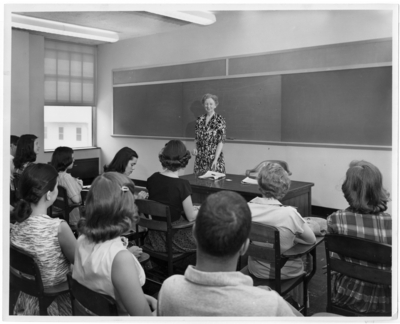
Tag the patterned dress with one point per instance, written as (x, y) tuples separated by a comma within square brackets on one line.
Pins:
[(172, 192), (73, 189), (20, 170), (38, 236), (356, 294), (208, 137)]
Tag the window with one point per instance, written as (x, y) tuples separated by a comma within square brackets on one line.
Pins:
[(68, 126), (69, 93), (45, 133), (60, 133), (79, 134)]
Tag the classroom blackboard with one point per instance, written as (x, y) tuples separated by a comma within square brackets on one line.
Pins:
[(333, 107)]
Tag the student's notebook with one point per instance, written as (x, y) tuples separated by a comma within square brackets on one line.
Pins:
[(249, 181), (213, 175)]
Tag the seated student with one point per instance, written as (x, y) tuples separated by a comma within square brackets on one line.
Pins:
[(213, 287), (49, 240), (365, 218), (102, 261), (166, 187), (274, 183), (63, 160), (124, 162), (27, 149)]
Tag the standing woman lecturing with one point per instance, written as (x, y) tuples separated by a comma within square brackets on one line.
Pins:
[(210, 133)]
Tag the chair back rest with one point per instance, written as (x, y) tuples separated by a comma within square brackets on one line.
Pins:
[(86, 302), (264, 242), (62, 198), (160, 215), (25, 273), (362, 250), (253, 173), (62, 202)]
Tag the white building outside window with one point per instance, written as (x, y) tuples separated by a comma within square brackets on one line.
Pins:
[(63, 122)]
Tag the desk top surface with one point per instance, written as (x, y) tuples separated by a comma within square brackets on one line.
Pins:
[(233, 182)]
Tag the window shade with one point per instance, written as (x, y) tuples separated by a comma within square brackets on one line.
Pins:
[(70, 73)]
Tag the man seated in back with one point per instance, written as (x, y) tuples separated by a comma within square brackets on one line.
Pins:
[(213, 287)]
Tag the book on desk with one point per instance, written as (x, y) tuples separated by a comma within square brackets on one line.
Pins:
[(213, 175), (248, 180)]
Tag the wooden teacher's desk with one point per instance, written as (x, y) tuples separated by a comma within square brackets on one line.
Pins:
[(299, 194)]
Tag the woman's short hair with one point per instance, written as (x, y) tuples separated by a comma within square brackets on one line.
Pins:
[(363, 188), (222, 224), (120, 160), (25, 150), (110, 208), (36, 181), (174, 155), (273, 181), (62, 158), (208, 96)]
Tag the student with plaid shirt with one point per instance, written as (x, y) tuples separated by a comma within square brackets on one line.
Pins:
[(365, 218)]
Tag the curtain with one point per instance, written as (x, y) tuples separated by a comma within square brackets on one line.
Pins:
[(70, 74)]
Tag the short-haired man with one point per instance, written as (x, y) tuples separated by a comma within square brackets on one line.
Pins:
[(213, 287)]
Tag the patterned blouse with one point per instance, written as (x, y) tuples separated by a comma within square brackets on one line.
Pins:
[(359, 295), (208, 136), (38, 236)]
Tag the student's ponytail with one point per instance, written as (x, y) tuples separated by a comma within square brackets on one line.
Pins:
[(22, 210)]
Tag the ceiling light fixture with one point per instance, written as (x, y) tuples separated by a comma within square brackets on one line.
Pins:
[(196, 17), (54, 27)]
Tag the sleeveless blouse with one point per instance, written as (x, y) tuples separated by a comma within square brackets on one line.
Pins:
[(93, 263)]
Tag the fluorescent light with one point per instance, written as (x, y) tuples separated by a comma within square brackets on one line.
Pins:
[(55, 27), (196, 17)]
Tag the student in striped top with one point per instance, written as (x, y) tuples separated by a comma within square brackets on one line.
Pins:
[(364, 218), (49, 240)]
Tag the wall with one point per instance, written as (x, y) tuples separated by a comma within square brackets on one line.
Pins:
[(248, 32), (27, 91)]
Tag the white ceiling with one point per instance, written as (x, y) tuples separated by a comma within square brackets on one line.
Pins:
[(128, 24)]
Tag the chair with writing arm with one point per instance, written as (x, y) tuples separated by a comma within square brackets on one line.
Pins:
[(64, 207), (86, 302), (161, 221), (265, 246), (364, 251), (25, 276)]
